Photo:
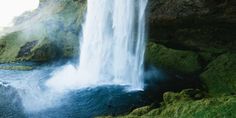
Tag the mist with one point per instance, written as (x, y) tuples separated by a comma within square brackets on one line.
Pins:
[(9, 9)]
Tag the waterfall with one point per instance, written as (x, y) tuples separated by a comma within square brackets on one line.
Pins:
[(112, 46)]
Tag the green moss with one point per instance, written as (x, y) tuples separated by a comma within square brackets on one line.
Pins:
[(208, 107), (141, 111), (56, 35), (178, 60), (206, 56), (220, 75), (16, 67), (11, 46), (181, 105), (12, 43)]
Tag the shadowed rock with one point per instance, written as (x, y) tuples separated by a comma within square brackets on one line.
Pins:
[(26, 49)]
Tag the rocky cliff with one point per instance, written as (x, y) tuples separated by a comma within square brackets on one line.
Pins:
[(195, 37), (199, 25)]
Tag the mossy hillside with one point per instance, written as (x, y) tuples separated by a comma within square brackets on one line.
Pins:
[(11, 46), (70, 42), (184, 105), (56, 28), (220, 75), (208, 107), (186, 62), (43, 51), (67, 26), (219, 101)]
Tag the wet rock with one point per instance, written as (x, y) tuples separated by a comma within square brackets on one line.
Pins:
[(178, 60), (220, 75), (199, 25), (2, 48), (46, 51), (25, 50)]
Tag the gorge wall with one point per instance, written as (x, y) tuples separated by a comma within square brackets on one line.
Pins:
[(195, 37)]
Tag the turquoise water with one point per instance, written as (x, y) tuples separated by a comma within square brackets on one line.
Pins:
[(23, 95)]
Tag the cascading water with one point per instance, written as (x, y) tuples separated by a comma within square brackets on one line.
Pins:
[(112, 46)]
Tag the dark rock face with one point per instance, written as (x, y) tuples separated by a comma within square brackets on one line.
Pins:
[(205, 25), (26, 49), (194, 36), (45, 52), (2, 48)]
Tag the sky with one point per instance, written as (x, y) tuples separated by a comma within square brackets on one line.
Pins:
[(12, 8)]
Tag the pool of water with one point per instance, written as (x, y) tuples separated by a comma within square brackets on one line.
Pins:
[(24, 95)]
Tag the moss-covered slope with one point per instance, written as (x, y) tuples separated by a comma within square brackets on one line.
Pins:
[(181, 105), (186, 62), (220, 75), (49, 32)]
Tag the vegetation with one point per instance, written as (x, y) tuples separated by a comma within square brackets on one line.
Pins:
[(220, 75), (178, 60), (54, 35), (26, 68), (188, 104)]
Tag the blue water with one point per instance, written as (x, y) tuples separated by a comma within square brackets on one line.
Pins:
[(106, 100), (23, 95), (82, 103)]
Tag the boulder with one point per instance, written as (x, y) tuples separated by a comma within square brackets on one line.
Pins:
[(26, 48), (220, 75), (182, 61)]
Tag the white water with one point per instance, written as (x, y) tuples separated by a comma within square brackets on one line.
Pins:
[(28, 85), (112, 47)]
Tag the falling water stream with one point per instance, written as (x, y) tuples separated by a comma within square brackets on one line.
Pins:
[(112, 47)]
